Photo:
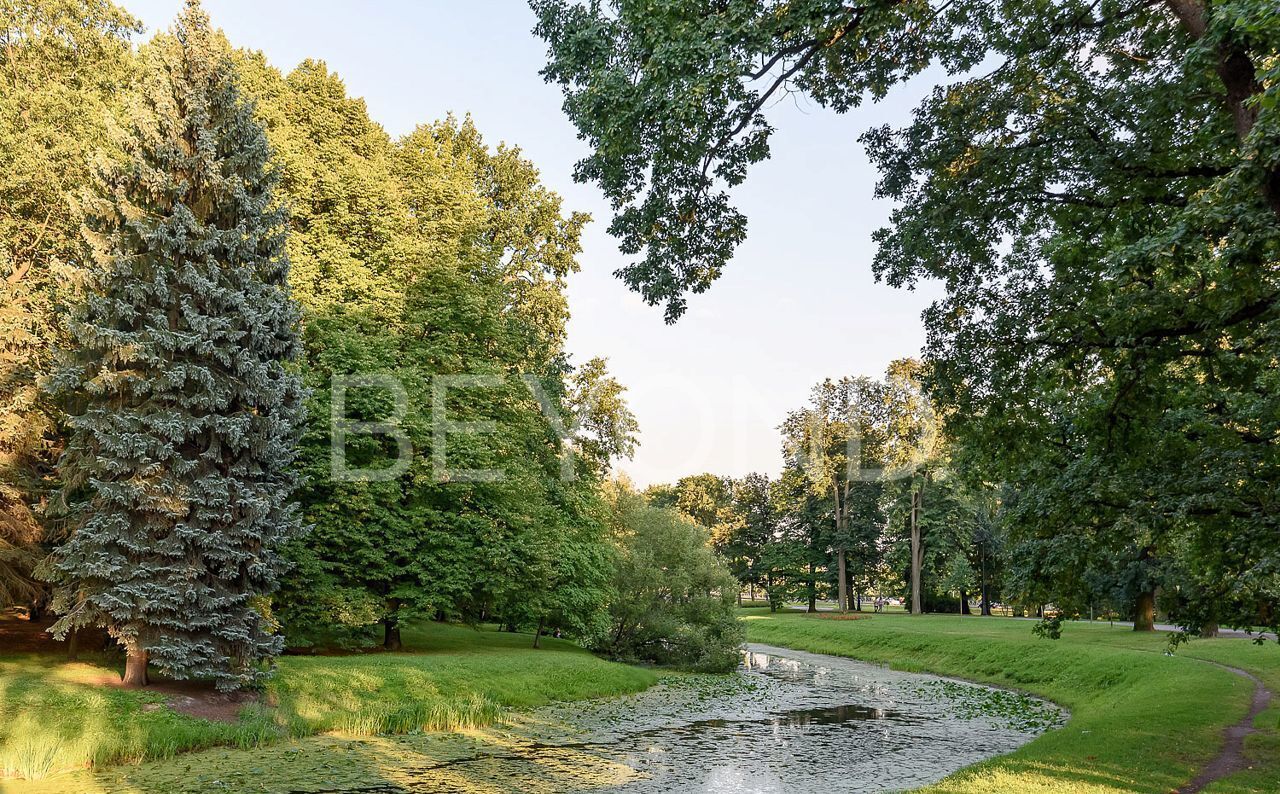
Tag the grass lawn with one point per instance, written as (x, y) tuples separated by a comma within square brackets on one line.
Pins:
[(57, 715), (1141, 721)]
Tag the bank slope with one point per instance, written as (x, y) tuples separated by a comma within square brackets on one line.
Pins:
[(1141, 721)]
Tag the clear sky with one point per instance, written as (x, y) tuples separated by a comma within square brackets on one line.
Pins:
[(797, 304)]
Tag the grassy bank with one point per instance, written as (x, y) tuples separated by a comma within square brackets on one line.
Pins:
[(57, 715), (1141, 721)]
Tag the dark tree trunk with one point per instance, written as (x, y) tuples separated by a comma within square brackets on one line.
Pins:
[(135, 668), (391, 634), (857, 597), (984, 605), (964, 603), (813, 590), (73, 645), (842, 591), (1144, 618), (391, 626), (537, 635)]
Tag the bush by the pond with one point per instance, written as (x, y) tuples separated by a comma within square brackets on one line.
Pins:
[(672, 601)]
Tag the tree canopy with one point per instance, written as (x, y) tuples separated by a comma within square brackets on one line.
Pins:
[(1096, 184)]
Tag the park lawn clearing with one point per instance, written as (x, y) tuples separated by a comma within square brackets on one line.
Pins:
[(57, 716), (1141, 721)]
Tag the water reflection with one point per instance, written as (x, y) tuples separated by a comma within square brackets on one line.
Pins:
[(788, 722)]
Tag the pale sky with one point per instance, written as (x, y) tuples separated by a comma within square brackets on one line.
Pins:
[(797, 304)]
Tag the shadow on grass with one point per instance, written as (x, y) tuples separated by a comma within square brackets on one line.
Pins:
[(65, 716)]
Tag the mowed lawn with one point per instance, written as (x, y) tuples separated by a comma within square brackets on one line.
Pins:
[(57, 716), (1141, 720)]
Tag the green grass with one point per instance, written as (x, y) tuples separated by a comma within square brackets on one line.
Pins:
[(1141, 721), (57, 715)]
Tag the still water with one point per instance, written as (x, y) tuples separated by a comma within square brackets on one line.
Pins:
[(788, 722)]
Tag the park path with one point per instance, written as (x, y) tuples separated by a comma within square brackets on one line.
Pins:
[(828, 606), (1231, 759)]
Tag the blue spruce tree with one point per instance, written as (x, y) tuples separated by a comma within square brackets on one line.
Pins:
[(184, 403)]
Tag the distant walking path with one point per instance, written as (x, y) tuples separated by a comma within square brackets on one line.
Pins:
[(1231, 759), (824, 606), (1232, 633)]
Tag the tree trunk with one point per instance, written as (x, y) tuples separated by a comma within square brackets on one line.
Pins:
[(391, 626), (537, 635), (135, 668), (984, 605), (813, 589), (391, 634), (857, 597), (917, 551), (964, 603), (843, 588), (1208, 631), (1144, 618), (73, 645)]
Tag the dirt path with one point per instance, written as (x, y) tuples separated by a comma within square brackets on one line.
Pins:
[(1231, 759)]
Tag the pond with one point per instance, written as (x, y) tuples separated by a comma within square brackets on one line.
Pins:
[(786, 722)]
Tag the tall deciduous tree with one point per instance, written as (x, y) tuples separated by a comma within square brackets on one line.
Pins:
[(1103, 206), (854, 436), (184, 406), (420, 263), (756, 527), (61, 62)]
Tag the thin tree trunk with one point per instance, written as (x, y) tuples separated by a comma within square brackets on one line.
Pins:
[(964, 603), (135, 668), (537, 635), (843, 590), (917, 551), (985, 605), (1144, 618), (73, 645), (842, 583), (813, 589)]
